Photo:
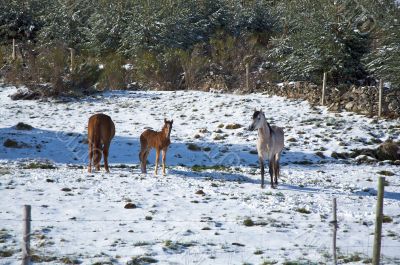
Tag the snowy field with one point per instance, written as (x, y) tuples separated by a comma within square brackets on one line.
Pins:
[(209, 209)]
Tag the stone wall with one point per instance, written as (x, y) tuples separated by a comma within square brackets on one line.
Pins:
[(363, 100)]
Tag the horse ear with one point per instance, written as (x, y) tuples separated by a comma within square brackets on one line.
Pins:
[(261, 110), (172, 121), (165, 120)]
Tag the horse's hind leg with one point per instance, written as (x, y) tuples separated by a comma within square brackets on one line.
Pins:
[(142, 156), (271, 171), (277, 167), (144, 153), (262, 171), (106, 149), (97, 156)]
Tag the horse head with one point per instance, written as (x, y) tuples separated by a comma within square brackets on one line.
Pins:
[(168, 126), (258, 120)]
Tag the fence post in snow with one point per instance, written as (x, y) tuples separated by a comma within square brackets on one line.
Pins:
[(323, 90), (378, 222), (335, 226), (26, 255), (380, 98)]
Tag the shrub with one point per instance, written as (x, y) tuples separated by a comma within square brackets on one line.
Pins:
[(389, 150), (85, 76), (113, 75)]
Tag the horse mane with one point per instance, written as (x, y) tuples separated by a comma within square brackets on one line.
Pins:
[(269, 127)]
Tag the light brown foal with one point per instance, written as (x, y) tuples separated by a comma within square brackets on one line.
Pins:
[(158, 140)]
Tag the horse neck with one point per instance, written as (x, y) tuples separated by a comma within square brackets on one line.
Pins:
[(265, 131), (165, 133)]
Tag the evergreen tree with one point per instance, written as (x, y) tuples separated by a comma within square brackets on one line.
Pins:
[(384, 60), (317, 37)]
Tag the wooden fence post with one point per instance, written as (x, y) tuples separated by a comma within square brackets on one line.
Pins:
[(335, 226), (378, 222), (13, 55), (247, 76), (72, 55), (26, 255), (323, 89), (380, 98)]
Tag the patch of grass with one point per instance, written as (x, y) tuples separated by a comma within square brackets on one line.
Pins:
[(5, 253), (141, 260), (218, 137), (37, 165), (23, 126), (40, 259), (303, 210), (258, 252), (4, 235), (233, 126), (141, 243), (387, 219), (193, 147), (67, 260), (269, 262), (11, 144), (367, 261), (248, 222), (207, 149), (352, 258), (386, 173), (148, 218), (176, 246)]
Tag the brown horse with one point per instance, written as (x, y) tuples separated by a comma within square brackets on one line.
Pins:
[(101, 130), (158, 140)]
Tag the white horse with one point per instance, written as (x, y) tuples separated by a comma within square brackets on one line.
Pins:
[(270, 143)]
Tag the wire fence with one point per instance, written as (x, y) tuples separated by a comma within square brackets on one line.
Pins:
[(231, 249)]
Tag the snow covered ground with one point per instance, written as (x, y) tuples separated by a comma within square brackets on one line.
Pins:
[(210, 208)]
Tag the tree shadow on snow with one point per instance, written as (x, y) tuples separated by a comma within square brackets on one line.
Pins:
[(373, 192), (72, 148)]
